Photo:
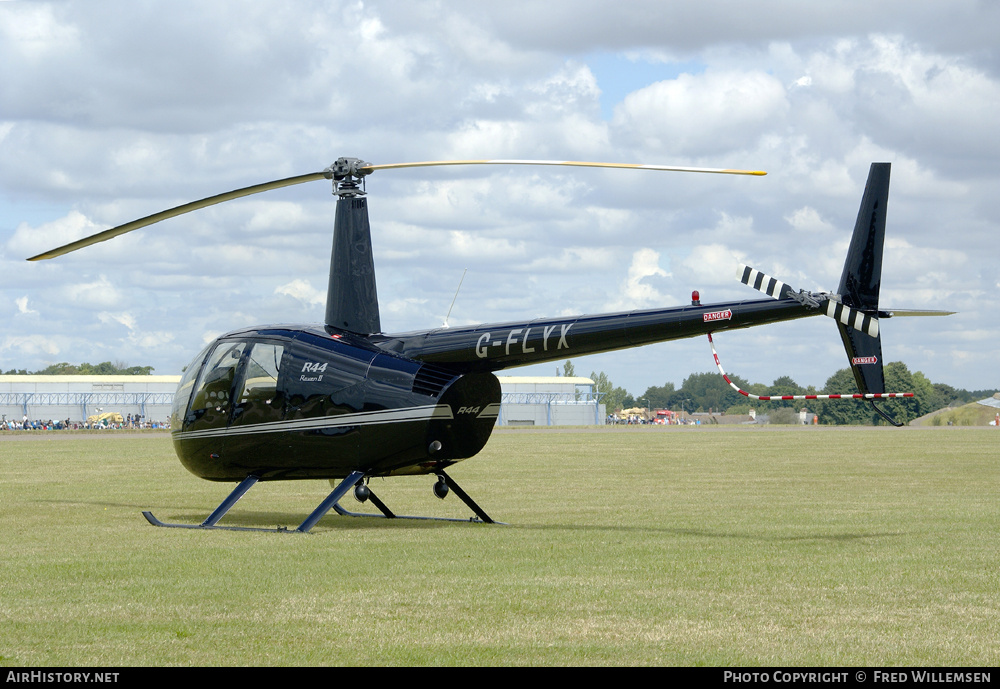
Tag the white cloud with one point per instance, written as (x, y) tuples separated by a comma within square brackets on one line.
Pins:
[(807, 219), (22, 305), (574, 259), (571, 90), (28, 241), (302, 291), (699, 115), (401, 306), (467, 244), (98, 294), (210, 336), (712, 264), (635, 291), (126, 319), (152, 339), (30, 345)]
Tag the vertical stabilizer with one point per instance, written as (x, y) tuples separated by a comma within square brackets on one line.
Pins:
[(351, 300), (865, 355), (861, 279), (859, 284)]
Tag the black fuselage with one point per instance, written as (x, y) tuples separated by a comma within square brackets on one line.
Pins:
[(298, 402)]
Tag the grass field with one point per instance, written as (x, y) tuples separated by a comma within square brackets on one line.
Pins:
[(675, 546)]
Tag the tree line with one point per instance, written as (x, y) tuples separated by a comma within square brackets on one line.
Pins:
[(702, 392), (105, 368)]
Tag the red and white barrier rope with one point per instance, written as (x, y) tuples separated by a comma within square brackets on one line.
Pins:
[(766, 398)]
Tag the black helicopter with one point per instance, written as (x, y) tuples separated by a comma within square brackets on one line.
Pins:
[(347, 402)]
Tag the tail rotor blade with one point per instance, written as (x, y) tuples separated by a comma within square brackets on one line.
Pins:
[(777, 289), (770, 286), (852, 317)]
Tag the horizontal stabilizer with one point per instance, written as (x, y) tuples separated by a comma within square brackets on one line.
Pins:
[(899, 313)]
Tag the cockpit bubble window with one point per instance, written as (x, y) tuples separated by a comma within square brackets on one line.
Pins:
[(185, 388), (260, 384), (217, 381)]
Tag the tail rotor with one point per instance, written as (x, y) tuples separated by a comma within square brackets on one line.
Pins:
[(829, 303), (855, 305)]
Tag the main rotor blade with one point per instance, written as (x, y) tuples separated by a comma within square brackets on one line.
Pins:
[(178, 210), (361, 169), (567, 163)]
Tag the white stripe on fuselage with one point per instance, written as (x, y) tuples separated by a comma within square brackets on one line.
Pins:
[(490, 411), (368, 418)]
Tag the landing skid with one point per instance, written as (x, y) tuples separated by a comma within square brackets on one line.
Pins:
[(156, 522), (332, 501), (481, 516)]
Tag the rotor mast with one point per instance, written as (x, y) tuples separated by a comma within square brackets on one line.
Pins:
[(352, 298)]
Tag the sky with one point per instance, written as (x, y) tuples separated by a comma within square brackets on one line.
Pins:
[(111, 111)]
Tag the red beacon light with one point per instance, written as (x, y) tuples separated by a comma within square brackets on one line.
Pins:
[(695, 298)]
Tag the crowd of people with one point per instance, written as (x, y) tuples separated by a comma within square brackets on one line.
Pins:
[(130, 422), (622, 419)]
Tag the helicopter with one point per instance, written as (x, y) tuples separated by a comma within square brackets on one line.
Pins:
[(346, 402)]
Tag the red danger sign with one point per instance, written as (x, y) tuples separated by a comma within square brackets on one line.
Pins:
[(864, 360), (718, 316)]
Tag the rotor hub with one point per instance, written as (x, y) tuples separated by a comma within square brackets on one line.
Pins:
[(348, 176)]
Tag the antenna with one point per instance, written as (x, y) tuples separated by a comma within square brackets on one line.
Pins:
[(445, 324)]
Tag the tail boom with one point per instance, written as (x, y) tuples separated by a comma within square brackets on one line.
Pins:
[(496, 346)]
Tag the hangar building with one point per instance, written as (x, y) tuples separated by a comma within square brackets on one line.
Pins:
[(525, 401), (77, 397), (549, 401)]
